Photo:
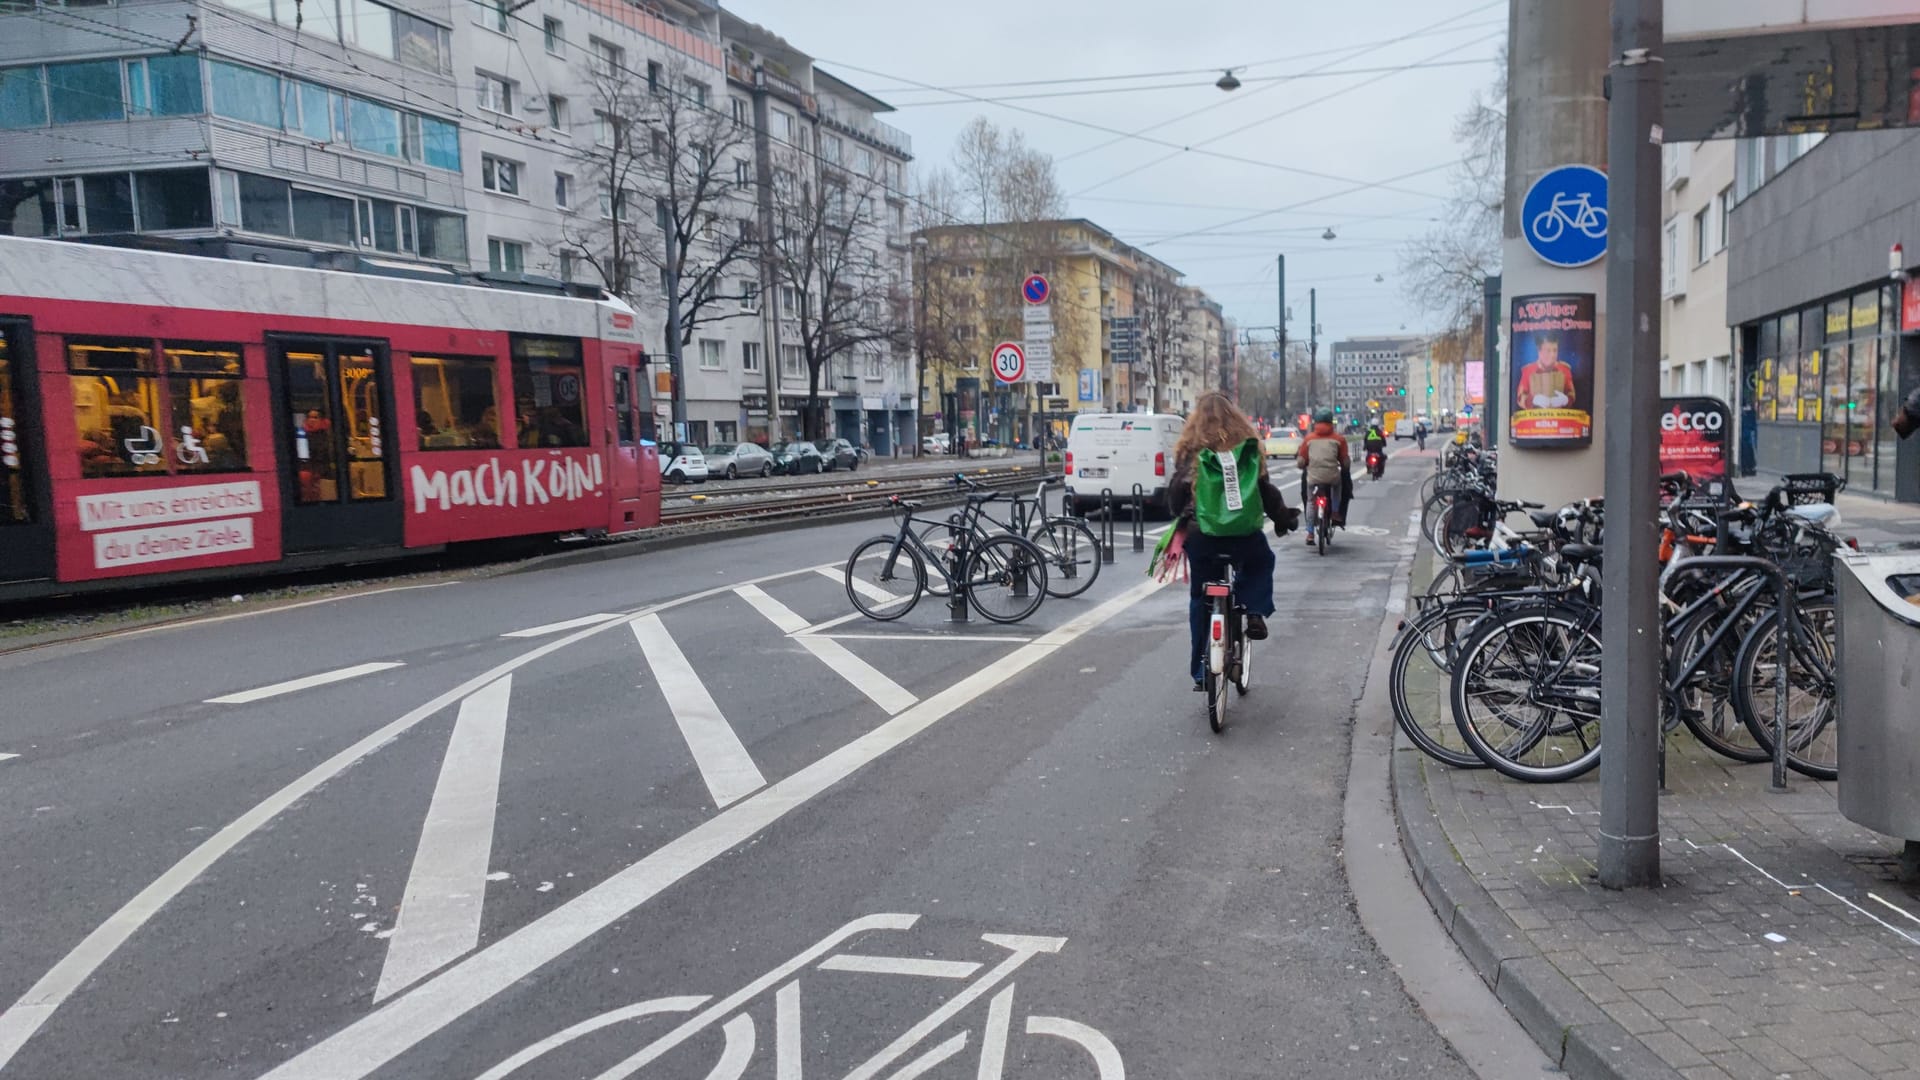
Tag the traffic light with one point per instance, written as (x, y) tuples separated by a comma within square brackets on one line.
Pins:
[(1429, 389), (1403, 391)]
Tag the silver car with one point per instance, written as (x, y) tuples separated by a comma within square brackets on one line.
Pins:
[(735, 460)]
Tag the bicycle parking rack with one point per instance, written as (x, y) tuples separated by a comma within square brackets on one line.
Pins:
[(956, 567), (1139, 518), (1785, 630), (1106, 525)]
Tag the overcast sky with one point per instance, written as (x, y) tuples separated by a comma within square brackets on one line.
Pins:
[(1377, 126)]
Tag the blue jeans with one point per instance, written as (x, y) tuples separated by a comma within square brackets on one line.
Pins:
[(1252, 584)]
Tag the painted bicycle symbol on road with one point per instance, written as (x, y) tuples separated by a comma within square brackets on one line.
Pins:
[(822, 969), (1570, 212)]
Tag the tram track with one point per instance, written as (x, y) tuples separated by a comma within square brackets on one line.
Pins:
[(834, 498)]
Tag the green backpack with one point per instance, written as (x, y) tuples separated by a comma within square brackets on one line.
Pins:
[(1226, 491)]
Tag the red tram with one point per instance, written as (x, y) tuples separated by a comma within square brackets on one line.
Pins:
[(174, 417)]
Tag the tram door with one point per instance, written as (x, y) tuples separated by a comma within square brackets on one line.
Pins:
[(26, 521), (339, 486), (630, 460)]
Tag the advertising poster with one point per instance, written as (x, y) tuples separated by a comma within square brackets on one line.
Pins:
[(1695, 437), (1476, 380), (1552, 370)]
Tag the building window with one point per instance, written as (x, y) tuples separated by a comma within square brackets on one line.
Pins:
[(566, 265), (609, 205), (443, 236), (439, 144), (607, 57), (118, 400), (323, 218), (164, 86), (548, 392), (1702, 243), (562, 191), (789, 301), (742, 175), (654, 75), (740, 108), (420, 44), (750, 357), (1723, 205), (495, 94), (506, 256), (493, 14), (876, 367), (85, 91), (557, 115), (783, 126), (553, 33), (726, 431), (1670, 275), (604, 129), (865, 159), (23, 98), (244, 93), (698, 92), (830, 149), (749, 295), (499, 175), (173, 199), (793, 363), (456, 402), (713, 355)]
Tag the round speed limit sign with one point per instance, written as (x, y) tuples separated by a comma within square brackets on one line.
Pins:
[(1009, 362)]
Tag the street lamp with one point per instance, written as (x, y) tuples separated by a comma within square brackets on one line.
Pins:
[(1227, 81), (920, 345)]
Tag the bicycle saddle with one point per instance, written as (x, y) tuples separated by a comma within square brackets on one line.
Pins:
[(1542, 519), (1581, 553)]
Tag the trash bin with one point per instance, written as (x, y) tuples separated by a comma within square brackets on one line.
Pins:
[(1878, 688)]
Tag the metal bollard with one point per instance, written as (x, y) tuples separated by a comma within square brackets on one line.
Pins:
[(1019, 569), (1106, 525), (1139, 518), (956, 564)]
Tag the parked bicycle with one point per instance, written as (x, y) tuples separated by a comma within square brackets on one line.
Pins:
[(1004, 577), (1071, 549)]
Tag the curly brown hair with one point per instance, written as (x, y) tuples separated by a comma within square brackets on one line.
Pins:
[(1217, 424)]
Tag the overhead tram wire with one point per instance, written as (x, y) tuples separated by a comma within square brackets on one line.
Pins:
[(1322, 99), (1100, 91), (1355, 51)]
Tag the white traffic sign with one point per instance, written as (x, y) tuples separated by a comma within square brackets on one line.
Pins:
[(1038, 331), (1039, 361), (1009, 362), (1036, 313)]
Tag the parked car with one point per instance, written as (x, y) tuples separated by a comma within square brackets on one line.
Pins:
[(682, 463), (937, 443), (838, 454), (798, 459), (735, 460)]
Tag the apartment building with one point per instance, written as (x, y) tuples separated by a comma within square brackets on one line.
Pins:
[(1368, 369), (1696, 348), (526, 140)]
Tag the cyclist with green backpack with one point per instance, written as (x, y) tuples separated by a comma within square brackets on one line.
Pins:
[(1221, 497)]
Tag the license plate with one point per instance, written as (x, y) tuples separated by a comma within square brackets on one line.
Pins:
[(1094, 473)]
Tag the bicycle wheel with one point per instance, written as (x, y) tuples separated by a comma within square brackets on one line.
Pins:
[(878, 585), (1006, 578), (1073, 555), (939, 538), (1813, 738), (1217, 678), (1706, 697), (1418, 680), (1243, 662), (1526, 694)]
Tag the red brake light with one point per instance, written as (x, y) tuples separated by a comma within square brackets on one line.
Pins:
[(1160, 463), (1321, 501), (1069, 463)]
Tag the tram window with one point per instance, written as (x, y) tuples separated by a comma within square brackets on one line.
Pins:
[(208, 411), (116, 408), (364, 423), (548, 392), (622, 397), (456, 402), (13, 472)]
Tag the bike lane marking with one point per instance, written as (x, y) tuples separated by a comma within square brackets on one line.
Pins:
[(723, 760), (440, 911), (864, 677), (306, 682), (35, 1007), (565, 624), (360, 1048)]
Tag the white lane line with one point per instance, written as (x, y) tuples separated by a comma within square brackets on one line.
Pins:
[(276, 609), (865, 678), (376, 1039), (831, 623), (925, 635), (244, 696), (440, 911), (30, 1012), (776, 612), (865, 588), (556, 627), (8, 757), (900, 965), (723, 762)]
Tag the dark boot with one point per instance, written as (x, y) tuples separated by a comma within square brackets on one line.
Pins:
[(1256, 628)]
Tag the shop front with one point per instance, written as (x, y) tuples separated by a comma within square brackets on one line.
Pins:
[(1821, 384)]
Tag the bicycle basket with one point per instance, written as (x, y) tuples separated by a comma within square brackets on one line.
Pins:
[(1803, 489)]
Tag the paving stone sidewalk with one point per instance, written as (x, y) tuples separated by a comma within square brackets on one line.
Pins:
[(1782, 943)]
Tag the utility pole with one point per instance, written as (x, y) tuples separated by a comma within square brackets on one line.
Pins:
[(1629, 850), (919, 341), (769, 277), (674, 333), (1313, 345), (1281, 321), (1492, 381)]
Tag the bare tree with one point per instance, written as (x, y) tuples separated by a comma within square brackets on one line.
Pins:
[(827, 237), (1444, 268), (1165, 332), (670, 219)]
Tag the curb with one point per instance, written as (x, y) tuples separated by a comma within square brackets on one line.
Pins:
[(1575, 1033)]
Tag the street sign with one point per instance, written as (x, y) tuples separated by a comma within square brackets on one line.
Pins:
[(1057, 405), (1564, 216), (1038, 331), (1035, 289), (1009, 362), (1038, 351)]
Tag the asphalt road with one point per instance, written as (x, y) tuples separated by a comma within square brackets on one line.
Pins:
[(672, 816)]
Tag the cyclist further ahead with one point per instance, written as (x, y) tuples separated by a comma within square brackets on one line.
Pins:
[(1323, 458), (1220, 495)]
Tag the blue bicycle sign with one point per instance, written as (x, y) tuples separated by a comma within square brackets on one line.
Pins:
[(1564, 216)]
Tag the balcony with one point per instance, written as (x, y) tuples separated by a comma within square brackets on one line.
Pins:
[(692, 42), (740, 70), (862, 125)]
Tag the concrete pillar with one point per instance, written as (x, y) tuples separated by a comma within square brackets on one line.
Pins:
[(1556, 115)]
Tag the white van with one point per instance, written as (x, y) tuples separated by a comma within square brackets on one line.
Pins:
[(1114, 451)]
